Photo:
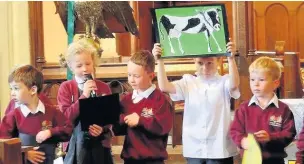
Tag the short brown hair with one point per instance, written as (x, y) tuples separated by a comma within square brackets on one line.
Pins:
[(28, 75), (145, 59), (268, 65)]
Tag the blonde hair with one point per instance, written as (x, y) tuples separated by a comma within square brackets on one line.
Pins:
[(145, 59), (84, 45), (28, 75), (268, 65)]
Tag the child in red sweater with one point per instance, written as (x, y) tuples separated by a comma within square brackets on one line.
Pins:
[(270, 120), (80, 58), (147, 114), (300, 146), (33, 122)]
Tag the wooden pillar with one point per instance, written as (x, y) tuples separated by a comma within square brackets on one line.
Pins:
[(145, 25), (36, 33), (134, 40), (243, 32), (292, 81)]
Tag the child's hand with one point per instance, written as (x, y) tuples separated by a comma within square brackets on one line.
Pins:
[(231, 48), (35, 156), (43, 135), (95, 130), (132, 119), (244, 143), (88, 87), (157, 51), (262, 136)]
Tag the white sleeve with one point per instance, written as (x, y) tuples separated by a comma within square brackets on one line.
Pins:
[(180, 88), (234, 94)]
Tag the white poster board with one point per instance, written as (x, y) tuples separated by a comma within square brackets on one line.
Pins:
[(297, 108)]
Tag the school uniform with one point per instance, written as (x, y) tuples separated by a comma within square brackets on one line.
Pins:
[(24, 124), (276, 119), (207, 117), (81, 150), (147, 142), (300, 146)]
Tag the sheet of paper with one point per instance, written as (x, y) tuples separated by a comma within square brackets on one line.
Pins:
[(297, 108), (58, 160), (253, 154)]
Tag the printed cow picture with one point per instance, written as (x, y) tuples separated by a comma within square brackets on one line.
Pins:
[(203, 22)]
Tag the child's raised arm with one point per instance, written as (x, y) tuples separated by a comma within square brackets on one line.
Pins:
[(162, 79), (234, 78)]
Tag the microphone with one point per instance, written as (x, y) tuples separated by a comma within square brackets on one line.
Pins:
[(89, 77)]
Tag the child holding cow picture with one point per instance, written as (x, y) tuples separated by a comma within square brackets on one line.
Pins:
[(207, 113)]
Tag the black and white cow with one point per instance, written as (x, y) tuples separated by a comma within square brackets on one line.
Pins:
[(205, 21)]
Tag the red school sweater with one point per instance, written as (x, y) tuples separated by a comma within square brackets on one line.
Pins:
[(278, 122), (68, 96), (60, 127), (300, 146), (149, 139)]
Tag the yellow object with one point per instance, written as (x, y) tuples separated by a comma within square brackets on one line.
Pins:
[(291, 162), (253, 154)]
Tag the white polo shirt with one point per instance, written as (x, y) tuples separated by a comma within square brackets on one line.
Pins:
[(207, 116)]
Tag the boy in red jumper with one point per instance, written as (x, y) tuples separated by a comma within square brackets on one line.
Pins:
[(147, 113), (33, 122), (268, 119), (300, 146)]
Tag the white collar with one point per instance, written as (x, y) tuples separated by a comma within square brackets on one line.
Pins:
[(17, 105), (274, 101), (26, 111), (144, 94), (216, 75), (79, 80)]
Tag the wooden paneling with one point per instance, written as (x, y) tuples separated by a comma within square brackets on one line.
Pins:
[(276, 27), (275, 21), (300, 31)]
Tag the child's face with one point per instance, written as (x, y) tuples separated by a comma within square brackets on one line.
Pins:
[(261, 84), (82, 64), (20, 93), (206, 67), (138, 77)]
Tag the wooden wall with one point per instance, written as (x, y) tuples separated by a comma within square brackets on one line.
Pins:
[(275, 21)]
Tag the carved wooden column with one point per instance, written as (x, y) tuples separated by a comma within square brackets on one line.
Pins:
[(134, 40), (144, 23), (243, 38), (292, 81), (36, 33)]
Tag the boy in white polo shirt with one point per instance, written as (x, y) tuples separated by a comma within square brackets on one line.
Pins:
[(207, 107)]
